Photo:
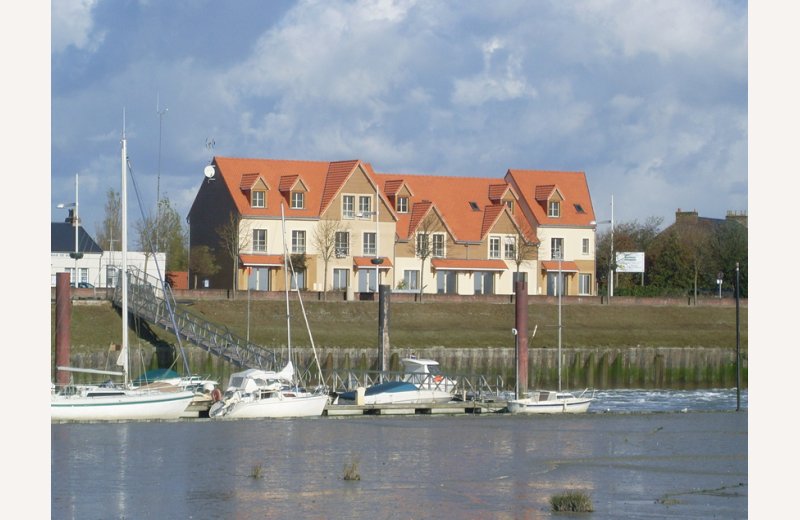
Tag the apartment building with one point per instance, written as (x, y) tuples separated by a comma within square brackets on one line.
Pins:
[(348, 228)]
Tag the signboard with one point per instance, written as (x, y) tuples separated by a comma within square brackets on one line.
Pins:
[(630, 262)]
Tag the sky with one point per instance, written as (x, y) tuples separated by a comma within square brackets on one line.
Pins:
[(648, 98)]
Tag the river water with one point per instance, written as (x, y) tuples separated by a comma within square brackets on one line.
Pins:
[(637, 454)]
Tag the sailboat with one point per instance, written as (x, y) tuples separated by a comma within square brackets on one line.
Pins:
[(256, 393), (107, 401), (552, 401)]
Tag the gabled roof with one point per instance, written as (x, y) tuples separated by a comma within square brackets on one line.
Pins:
[(62, 239), (249, 180), (289, 183), (463, 203), (537, 186)]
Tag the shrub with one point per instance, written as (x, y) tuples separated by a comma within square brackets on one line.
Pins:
[(573, 501)]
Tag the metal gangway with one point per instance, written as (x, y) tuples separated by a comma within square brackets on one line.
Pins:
[(152, 301)]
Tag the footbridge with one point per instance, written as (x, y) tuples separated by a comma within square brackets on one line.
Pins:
[(154, 302)]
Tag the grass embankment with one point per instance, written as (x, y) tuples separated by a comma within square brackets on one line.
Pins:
[(418, 325)]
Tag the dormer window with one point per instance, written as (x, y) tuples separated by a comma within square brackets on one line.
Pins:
[(402, 204), (298, 200), (554, 209), (258, 199)]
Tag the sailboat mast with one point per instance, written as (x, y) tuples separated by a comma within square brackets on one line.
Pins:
[(123, 277), (286, 285)]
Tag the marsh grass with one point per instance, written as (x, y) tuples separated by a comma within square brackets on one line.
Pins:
[(572, 501), (351, 471), (256, 472)]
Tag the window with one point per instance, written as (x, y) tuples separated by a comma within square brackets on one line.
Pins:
[(298, 280), (422, 245), (369, 244), (298, 200), (579, 208), (484, 282), (340, 277), (474, 205), (258, 199), (554, 209), (510, 205), (494, 247), (342, 244), (438, 245), (446, 282), (348, 206), (365, 207), (585, 247), (510, 248), (585, 284), (402, 204), (556, 248), (259, 240), (411, 279), (520, 276), (298, 242)]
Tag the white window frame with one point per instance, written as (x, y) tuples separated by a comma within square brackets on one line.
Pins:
[(419, 249), (585, 284), (510, 248), (494, 247), (402, 204), (411, 279), (342, 244), (554, 209), (438, 246), (348, 207), (298, 200), (298, 241), (339, 276), (370, 243), (556, 248), (585, 246), (260, 240), (258, 199), (365, 207)]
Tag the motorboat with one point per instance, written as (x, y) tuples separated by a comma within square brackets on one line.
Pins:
[(394, 392)]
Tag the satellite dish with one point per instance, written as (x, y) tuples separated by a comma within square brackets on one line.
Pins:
[(209, 171)]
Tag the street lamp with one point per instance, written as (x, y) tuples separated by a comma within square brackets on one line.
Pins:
[(76, 255)]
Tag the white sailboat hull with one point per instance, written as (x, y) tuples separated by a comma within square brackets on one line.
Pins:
[(550, 402), (129, 405), (277, 406)]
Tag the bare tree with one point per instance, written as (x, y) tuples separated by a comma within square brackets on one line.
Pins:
[(324, 240), (233, 243), (424, 243), (111, 230), (203, 262), (524, 248)]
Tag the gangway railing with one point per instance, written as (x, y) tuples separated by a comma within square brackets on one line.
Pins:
[(148, 300)]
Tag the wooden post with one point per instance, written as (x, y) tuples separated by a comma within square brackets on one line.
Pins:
[(521, 324), (63, 321), (384, 292)]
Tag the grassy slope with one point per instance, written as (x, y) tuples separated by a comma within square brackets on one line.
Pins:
[(416, 325)]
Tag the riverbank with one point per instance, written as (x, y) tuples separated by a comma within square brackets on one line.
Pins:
[(603, 346)]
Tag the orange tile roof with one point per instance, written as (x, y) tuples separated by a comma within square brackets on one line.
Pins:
[(261, 260), (451, 198), (446, 264), (320, 178), (552, 265), (248, 181), (366, 261), (532, 185)]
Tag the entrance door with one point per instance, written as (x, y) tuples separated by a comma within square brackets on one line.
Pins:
[(367, 280)]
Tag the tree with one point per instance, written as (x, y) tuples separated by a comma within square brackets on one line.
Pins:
[(110, 232), (233, 243), (670, 268), (424, 243), (165, 234), (324, 240), (729, 246), (203, 263), (524, 249), (631, 236)]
